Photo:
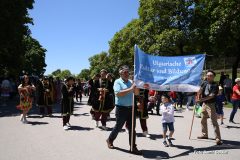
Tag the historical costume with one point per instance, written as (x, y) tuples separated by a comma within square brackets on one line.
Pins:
[(45, 97), (102, 99), (67, 102), (141, 103), (26, 97)]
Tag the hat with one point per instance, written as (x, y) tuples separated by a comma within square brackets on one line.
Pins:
[(220, 88), (125, 67), (237, 80), (103, 70)]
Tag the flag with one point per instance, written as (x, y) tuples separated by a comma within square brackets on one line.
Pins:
[(168, 73)]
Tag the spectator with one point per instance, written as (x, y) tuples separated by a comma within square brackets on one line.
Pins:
[(227, 88)]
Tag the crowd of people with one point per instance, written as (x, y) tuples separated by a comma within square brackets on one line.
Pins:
[(106, 93)]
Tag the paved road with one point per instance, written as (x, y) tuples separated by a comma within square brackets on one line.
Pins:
[(45, 139)]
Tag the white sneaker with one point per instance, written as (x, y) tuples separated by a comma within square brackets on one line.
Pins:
[(25, 120), (126, 130), (104, 127), (65, 127), (146, 134), (97, 123), (21, 117)]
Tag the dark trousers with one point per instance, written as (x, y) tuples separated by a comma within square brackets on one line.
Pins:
[(123, 114), (42, 110), (236, 104), (143, 123), (79, 95), (227, 93), (103, 116), (66, 119)]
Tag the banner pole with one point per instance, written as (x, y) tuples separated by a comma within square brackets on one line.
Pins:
[(133, 106)]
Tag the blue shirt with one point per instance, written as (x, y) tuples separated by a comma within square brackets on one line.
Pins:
[(120, 85)]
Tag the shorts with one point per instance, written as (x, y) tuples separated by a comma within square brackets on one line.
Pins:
[(167, 126)]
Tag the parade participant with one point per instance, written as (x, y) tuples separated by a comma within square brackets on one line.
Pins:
[(167, 110), (158, 95), (227, 83), (93, 86), (142, 112), (235, 99), (207, 94), (173, 96), (52, 91), (111, 80), (58, 87), (124, 88), (25, 90), (67, 101), (219, 104), (190, 99), (44, 97), (78, 90), (102, 101)]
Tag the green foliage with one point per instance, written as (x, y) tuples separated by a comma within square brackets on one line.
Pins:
[(34, 57), (181, 27), (18, 50), (100, 61), (62, 74), (84, 75)]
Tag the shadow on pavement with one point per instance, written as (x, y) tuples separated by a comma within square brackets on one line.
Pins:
[(178, 116), (79, 128), (156, 136), (227, 145), (122, 150), (154, 154), (83, 114), (37, 123), (10, 109), (229, 127)]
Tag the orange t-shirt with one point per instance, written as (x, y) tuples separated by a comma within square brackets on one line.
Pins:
[(235, 95)]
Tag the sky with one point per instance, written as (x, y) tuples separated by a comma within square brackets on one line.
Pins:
[(74, 30)]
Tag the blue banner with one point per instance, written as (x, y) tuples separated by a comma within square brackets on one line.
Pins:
[(168, 73)]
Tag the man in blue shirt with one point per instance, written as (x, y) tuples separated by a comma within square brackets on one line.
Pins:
[(124, 90)]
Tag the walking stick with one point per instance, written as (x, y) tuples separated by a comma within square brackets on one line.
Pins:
[(192, 122)]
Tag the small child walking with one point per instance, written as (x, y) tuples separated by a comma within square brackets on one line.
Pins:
[(167, 110)]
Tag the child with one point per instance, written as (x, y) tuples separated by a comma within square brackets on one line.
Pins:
[(167, 110), (219, 104)]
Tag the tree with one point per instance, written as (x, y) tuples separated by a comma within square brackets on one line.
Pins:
[(65, 73), (34, 57), (84, 74), (98, 62), (14, 19), (121, 47), (61, 74), (221, 29), (165, 26), (56, 73)]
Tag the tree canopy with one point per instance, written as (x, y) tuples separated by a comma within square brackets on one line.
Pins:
[(174, 28), (18, 50)]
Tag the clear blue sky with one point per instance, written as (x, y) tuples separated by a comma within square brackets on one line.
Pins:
[(74, 30)]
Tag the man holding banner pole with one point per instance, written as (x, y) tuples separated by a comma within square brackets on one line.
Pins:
[(124, 90), (207, 95)]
